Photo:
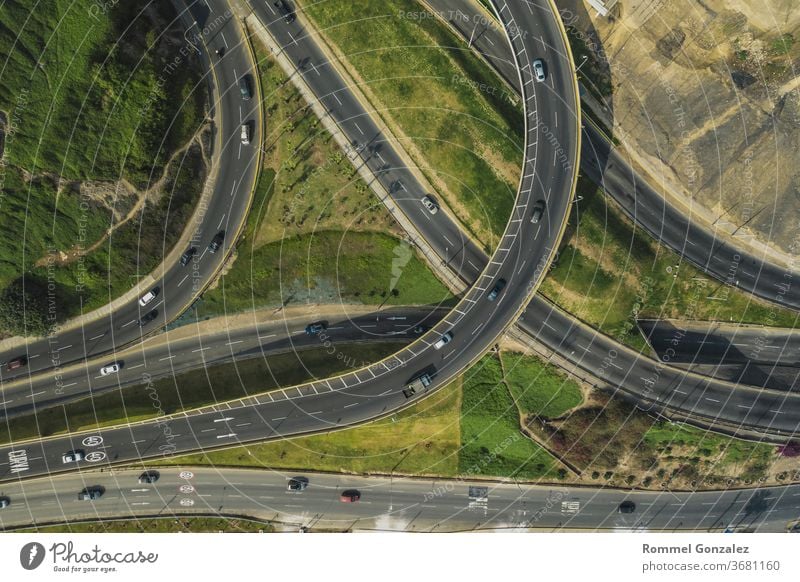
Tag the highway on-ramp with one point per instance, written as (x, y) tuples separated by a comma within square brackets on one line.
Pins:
[(223, 207)]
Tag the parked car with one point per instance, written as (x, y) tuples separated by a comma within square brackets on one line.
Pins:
[(430, 204), (245, 87), (91, 493), (499, 286), (245, 134), (316, 327), (149, 477), (148, 317), (4, 502), (72, 456), (286, 10), (216, 242), (16, 363), (297, 484), (627, 506), (350, 496), (538, 212), (443, 341), (187, 256), (110, 369), (538, 70), (149, 296)]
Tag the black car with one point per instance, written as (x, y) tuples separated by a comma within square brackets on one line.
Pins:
[(149, 477), (627, 507), (501, 283), (538, 212), (91, 493), (297, 483), (316, 327), (286, 10), (420, 329), (245, 88), (187, 256), (148, 317), (216, 242)]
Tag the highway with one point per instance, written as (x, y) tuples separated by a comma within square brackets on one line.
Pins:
[(184, 349), (717, 255), (223, 207), (521, 259), (392, 503)]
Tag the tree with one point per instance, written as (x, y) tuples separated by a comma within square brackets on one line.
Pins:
[(23, 310)]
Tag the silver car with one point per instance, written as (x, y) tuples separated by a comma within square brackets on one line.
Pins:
[(430, 204), (72, 456), (538, 70)]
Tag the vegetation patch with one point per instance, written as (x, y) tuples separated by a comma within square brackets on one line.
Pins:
[(539, 388), (160, 525)]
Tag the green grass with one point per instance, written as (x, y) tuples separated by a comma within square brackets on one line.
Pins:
[(539, 388), (160, 525), (192, 389), (421, 440), (354, 267), (609, 272), (464, 138), (491, 441)]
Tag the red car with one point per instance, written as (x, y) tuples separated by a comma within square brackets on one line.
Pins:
[(350, 496), (16, 363)]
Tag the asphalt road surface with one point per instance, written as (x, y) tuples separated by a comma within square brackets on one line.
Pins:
[(392, 504), (223, 207), (717, 255), (521, 259)]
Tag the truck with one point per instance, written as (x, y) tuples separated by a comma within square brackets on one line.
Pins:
[(417, 386)]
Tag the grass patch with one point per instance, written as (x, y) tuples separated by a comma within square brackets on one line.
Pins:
[(421, 440), (613, 441), (609, 272), (539, 388), (426, 83), (354, 267), (192, 389), (162, 525), (491, 441)]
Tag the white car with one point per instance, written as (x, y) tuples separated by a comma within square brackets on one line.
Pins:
[(148, 297), (538, 70), (72, 456), (110, 369), (443, 341), (245, 134), (428, 203)]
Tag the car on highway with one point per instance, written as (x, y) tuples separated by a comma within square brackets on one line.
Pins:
[(187, 256), (149, 296), (112, 368), (538, 70), (91, 493), (216, 242), (297, 484), (72, 456), (429, 203), (245, 87), (499, 286), (627, 506), (419, 329), (148, 317), (16, 363), (316, 327), (285, 10), (350, 496), (4, 502), (418, 385), (443, 341), (245, 134), (538, 211), (149, 477)]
